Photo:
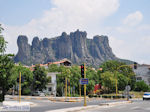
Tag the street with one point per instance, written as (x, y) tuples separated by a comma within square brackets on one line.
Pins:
[(43, 105), (136, 106), (47, 105)]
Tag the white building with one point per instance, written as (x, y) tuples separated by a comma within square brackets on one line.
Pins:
[(143, 73), (52, 85)]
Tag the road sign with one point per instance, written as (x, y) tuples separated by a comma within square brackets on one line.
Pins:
[(83, 81), (127, 88)]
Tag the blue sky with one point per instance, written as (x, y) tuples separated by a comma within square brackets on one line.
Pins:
[(126, 22)]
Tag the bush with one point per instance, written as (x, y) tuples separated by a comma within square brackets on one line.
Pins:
[(26, 91), (141, 86)]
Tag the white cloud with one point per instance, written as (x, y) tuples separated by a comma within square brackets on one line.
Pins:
[(131, 40), (133, 19), (66, 15)]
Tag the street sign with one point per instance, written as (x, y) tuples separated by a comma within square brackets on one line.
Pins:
[(127, 88), (83, 81)]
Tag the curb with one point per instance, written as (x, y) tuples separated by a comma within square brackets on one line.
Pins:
[(66, 99)]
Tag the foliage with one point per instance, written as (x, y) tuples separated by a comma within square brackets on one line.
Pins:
[(39, 78), (108, 81), (64, 72), (93, 78), (141, 86), (49, 78), (6, 65), (122, 81), (27, 77), (124, 71), (53, 68)]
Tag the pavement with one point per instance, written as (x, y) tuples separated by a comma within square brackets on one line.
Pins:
[(8, 106)]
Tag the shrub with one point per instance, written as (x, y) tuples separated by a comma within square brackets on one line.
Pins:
[(141, 86)]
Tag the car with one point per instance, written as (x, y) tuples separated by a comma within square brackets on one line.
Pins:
[(146, 96), (36, 93)]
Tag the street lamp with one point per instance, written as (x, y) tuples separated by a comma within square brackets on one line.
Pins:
[(116, 76)]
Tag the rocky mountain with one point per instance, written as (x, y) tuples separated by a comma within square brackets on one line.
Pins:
[(76, 47)]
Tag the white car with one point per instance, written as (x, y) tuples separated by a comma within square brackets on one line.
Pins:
[(146, 96)]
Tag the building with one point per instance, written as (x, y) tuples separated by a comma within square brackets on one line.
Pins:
[(143, 73), (64, 62), (52, 85)]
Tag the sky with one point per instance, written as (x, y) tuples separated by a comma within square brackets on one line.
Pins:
[(125, 22)]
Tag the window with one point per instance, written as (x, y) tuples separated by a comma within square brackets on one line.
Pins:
[(50, 89)]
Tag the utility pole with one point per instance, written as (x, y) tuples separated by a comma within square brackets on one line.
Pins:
[(69, 86), (65, 87), (116, 84), (20, 87), (84, 87), (80, 89)]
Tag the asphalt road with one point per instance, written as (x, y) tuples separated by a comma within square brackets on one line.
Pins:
[(136, 106), (46, 105), (42, 106)]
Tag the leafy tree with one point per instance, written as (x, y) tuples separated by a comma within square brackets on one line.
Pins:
[(26, 75), (93, 78), (121, 68), (122, 81), (141, 86), (53, 68), (74, 79), (39, 78), (64, 72), (108, 81), (6, 65)]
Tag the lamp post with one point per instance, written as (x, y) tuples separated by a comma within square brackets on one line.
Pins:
[(116, 76)]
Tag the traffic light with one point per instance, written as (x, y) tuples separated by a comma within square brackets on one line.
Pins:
[(135, 65), (18, 79), (82, 70), (22, 79)]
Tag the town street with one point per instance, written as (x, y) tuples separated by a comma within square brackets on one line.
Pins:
[(136, 106), (47, 105)]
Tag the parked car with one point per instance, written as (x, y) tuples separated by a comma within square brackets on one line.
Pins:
[(36, 93), (146, 96)]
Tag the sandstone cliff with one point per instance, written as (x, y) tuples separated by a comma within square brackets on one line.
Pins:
[(75, 46)]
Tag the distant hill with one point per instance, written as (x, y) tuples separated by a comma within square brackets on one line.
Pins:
[(76, 47)]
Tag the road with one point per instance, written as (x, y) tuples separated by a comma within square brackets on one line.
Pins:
[(45, 105), (136, 106), (42, 106)]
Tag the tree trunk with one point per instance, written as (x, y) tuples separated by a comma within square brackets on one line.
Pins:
[(3, 94)]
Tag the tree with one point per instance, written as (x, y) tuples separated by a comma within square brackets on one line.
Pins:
[(64, 73), (27, 78), (108, 81), (53, 68), (6, 65), (121, 68), (141, 86), (39, 78), (93, 79), (122, 81)]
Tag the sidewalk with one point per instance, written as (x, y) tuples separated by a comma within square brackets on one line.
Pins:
[(9, 106)]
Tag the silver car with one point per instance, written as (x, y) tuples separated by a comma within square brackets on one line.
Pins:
[(146, 96)]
